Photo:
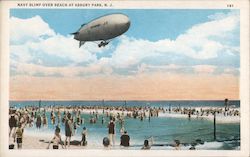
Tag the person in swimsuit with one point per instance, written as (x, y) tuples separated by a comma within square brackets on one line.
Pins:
[(38, 121), (106, 142), (74, 128), (12, 123), (103, 120), (146, 145), (56, 139), (44, 120), (19, 136), (125, 139), (68, 129), (84, 136), (111, 131), (177, 145)]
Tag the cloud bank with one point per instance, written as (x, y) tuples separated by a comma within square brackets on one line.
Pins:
[(211, 47)]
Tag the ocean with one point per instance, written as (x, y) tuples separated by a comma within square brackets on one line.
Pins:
[(174, 103), (163, 130)]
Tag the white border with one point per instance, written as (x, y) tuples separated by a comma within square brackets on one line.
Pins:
[(243, 5)]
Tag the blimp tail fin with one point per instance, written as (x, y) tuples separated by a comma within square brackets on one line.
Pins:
[(74, 33), (81, 43)]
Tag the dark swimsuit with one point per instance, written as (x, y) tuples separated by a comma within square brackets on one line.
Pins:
[(67, 129), (19, 140), (55, 146), (112, 128)]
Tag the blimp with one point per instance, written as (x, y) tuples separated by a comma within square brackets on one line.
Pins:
[(102, 29)]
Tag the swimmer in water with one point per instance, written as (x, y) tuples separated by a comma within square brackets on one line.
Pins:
[(177, 145), (84, 136), (146, 145)]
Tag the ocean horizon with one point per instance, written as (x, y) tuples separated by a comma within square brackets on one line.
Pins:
[(153, 103)]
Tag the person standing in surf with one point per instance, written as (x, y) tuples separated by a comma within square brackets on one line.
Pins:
[(226, 103), (68, 130), (111, 131), (84, 136), (38, 121)]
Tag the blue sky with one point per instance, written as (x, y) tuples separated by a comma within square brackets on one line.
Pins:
[(157, 39), (146, 24)]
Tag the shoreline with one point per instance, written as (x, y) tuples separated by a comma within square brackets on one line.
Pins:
[(34, 142)]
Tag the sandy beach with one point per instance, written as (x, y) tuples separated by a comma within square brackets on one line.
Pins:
[(35, 142)]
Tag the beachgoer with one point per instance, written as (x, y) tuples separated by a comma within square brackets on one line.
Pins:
[(44, 120), (122, 130), (111, 131), (78, 119), (106, 142), (141, 117), (12, 123), (192, 146), (189, 115), (146, 145), (58, 116), (125, 139), (177, 145), (68, 130), (56, 139), (103, 120), (38, 121), (226, 103), (53, 120), (19, 136), (75, 127), (84, 136)]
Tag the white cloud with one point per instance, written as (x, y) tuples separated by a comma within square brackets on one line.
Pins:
[(22, 30), (62, 47), (131, 51), (33, 37), (204, 69), (143, 68), (233, 71), (202, 41), (67, 71)]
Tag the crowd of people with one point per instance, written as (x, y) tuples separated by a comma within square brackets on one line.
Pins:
[(71, 118)]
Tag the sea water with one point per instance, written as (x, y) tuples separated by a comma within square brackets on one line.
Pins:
[(163, 130)]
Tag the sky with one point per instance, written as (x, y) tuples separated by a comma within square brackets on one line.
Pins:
[(165, 55)]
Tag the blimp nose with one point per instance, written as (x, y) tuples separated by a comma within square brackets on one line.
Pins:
[(127, 24), (124, 22)]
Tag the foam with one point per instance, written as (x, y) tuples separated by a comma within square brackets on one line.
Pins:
[(220, 118), (210, 145)]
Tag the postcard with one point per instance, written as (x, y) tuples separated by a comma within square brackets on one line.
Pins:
[(124, 78)]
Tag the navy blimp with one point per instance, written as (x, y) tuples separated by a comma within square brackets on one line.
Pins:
[(102, 29)]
